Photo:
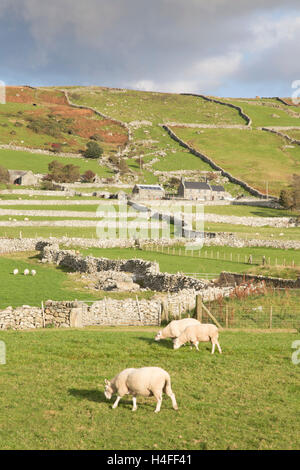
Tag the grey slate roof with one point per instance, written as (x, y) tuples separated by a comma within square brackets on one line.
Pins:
[(218, 188), (196, 185)]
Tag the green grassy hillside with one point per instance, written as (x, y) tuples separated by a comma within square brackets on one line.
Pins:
[(254, 156)]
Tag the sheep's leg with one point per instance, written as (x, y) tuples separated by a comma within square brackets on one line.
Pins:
[(134, 408), (213, 348), (116, 402), (174, 402), (219, 347), (159, 401), (196, 345)]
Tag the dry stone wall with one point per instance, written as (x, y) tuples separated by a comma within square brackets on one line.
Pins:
[(227, 279), (77, 314)]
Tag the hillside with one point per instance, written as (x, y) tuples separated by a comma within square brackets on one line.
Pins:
[(131, 122)]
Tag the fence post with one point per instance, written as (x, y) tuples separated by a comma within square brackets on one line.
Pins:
[(226, 316), (211, 316), (43, 314), (199, 307), (271, 316)]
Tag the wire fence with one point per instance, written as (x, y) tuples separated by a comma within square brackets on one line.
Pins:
[(283, 259), (259, 317)]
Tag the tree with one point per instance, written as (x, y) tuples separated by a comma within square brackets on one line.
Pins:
[(88, 176), (4, 175), (296, 191), (93, 150), (62, 174), (286, 199)]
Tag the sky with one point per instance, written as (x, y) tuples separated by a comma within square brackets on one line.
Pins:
[(217, 47)]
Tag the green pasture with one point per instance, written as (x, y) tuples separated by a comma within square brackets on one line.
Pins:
[(38, 163), (259, 158), (132, 105), (246, 398)]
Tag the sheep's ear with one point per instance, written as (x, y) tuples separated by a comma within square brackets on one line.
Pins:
[(107, 382)]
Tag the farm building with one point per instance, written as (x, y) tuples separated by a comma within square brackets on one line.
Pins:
[(200, 190), (148, 191), (22, 178)]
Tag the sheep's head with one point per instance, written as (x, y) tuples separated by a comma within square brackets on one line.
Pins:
[(176, 344), (158, 336), (108, 391)]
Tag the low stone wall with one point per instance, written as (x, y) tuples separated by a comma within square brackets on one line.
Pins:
[(279, 222), (11, 245), (77, 314), (89, 264), (227, 279), (146, 273)]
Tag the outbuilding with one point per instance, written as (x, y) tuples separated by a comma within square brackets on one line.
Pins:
[(148, 191)]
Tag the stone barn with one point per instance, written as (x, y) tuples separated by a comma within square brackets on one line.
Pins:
[(148, 191), (218, 192), (194, 190), (22, 178)]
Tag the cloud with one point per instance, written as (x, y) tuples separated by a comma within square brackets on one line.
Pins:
[(203, 74), (166, 45)]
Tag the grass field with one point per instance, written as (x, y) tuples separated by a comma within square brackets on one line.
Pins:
[(52, 392), (268, 112), (50, 282), (38, 163), (131, 105), (212, 259), (256, 157)]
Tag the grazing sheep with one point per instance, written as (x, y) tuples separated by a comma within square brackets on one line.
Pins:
[(33, 272), (146, 381), (175, 328), (26, 272), (16, 271), (196, 333)]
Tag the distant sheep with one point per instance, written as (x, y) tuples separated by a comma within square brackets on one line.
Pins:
[(146, 381), (16, 271), (26, 272), (33, 272), (175, 328), (199, 333)]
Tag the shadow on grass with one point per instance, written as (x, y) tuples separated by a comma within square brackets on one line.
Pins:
[(165, 343), (99, 397), (91, 395)]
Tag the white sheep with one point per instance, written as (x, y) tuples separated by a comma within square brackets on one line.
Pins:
[(33, 272), (16, 271), (175, 328), (196, 333), (26, 272), (146, 381)]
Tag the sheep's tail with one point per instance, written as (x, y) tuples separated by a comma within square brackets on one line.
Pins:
[(167, 388)]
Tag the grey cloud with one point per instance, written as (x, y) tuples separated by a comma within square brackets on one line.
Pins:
[(113, 42)]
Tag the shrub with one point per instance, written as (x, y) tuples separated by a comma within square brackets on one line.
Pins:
[(4, 175), (93, 150), (56, 147), (88, 176), (62, 174)]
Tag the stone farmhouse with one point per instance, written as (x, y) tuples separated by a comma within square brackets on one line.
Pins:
[(148, 191), (22, 178), (200, 190)]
